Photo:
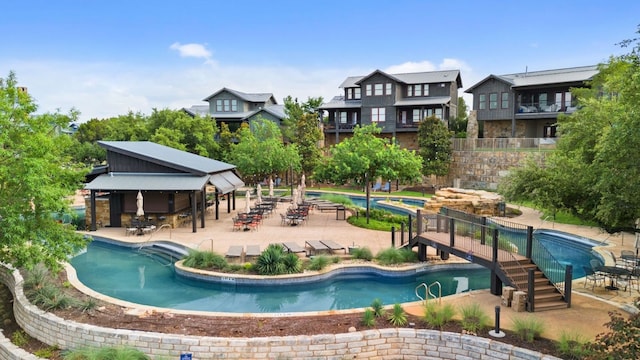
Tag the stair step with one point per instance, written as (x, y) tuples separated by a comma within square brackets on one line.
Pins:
[(555, 305), (546, 298)]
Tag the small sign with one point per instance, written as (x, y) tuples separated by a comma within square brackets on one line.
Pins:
[(185, 357)]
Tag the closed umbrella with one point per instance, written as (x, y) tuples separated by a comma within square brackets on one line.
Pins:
[(247, 206), (259, 193), (294, 199), (270, 187), (140, 205), (300, 197)]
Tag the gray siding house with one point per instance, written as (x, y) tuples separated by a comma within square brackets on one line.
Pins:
[(234, 107), (527, 105)]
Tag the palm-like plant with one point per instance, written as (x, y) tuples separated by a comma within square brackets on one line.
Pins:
[(398, 317)]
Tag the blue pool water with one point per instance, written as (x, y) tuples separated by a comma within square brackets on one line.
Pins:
[(361, 201), (569, 249), (129, 275)]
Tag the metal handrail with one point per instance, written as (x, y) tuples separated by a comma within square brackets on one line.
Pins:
[(428, 293)]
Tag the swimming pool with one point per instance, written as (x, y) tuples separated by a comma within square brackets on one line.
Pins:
[(361, 201), (569, 249), (133, 276)]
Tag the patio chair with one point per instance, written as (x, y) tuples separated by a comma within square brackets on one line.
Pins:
[(293, 247), (376, 187), (386, 187), (316, 246), (252, 251), (592, 276), (235, 251), (237, 224), (284, 220), (333, 246)]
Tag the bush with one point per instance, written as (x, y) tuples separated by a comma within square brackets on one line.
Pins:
[(398, 317), (20, 338), (377, 307), (271, 261), (474, 318), (573, 346), (292, 263), (528, 328), (392, 256), (368, 318), (205, 260), (437, 314), (106, 353), (318, 263), (362, 253)]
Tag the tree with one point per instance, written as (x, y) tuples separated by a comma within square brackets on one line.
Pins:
[(435, 146), (366, 157), (176, 129), (36, 178), (594, 170), (308, 135), (260, 152), (458, 124)]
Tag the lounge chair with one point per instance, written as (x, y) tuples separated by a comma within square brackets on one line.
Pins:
[(293, 247), (333, 246), (386, 187), (376, 187), (316, 246), (235, 251), (252, 251)]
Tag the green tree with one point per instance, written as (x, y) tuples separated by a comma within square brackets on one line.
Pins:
[(36, 179), (225, 142), (176, 129), (594, 171), (434, 140), (294, 111), (366, 157), (458, 124), (260, 152)]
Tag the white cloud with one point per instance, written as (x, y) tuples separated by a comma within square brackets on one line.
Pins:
[(409, 67), (191, 50)]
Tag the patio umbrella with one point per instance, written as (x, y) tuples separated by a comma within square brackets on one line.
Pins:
[(247, 205), (300, 197), (270, 187), (140, 205), (259, 193), (294, 199)]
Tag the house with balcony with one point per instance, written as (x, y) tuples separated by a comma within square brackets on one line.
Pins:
[(395, 102), (235, 107), (527, 105)]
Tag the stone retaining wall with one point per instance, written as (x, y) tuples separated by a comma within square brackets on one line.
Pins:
[(370, 344)]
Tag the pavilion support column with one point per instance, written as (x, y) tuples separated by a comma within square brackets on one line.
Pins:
[(194, 210), (203, 206), (93, 211)]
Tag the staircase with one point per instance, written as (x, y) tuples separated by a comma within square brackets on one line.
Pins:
[(546, 296)]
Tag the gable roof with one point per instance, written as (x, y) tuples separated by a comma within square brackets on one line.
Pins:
[(255, 98), (166, 156), (426, 77), (545, 77)]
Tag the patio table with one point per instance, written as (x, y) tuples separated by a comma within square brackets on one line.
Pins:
[(614, 272)]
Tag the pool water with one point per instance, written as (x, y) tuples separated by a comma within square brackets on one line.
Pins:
[(568, 249), (129, 275)]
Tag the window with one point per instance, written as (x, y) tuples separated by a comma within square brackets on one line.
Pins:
[(377, 115), (567, 99), (354, 118), (428, 112), (377, 90), (505, 100), (482, 101), (356, 93), (543, 100), (343, 118), (426, 89), (410, 90), (218, 105), (416, 115), (418, 90), (388, 88), (493, 101), (368, 89), (234, 105), (438, 113), (403, 118), (227, 105)]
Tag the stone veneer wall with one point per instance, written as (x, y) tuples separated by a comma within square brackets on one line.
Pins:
[(484, 169), (402, 343)]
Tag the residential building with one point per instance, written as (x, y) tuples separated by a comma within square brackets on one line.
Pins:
[(395, 102), (234, 107), (527, 105)]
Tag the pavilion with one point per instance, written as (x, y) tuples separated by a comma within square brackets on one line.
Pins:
[(174, 185)]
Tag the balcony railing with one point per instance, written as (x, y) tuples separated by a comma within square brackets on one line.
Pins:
[(535, 107), (341, 126), (504, 144)]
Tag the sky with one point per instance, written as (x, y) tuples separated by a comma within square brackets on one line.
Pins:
[(107, 58)]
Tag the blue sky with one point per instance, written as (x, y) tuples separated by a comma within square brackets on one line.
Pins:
[(106, 58)]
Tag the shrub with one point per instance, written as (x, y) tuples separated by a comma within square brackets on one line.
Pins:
[(391, 256), (46, 353), (292, 263), (368, 318), (398, 317), (377, 307), (573, 346), (271, 261), (19, 338), (622, 337), (474, 318), (437, 314), (318, 263), (205, 260), (528, 328), (362, 253), (106, 353)]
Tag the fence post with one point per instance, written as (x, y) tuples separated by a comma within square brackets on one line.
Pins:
[(529, 242), (495, 246), (410, 230), (393, 236), (452, 233), (568, 279), (531, 288), (402, 233), (483, 233), (419, 229)]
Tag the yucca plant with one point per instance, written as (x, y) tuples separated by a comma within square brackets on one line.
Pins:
[(368, 318), (398, 317), (377, 307), (292, 263), (271, 261)]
